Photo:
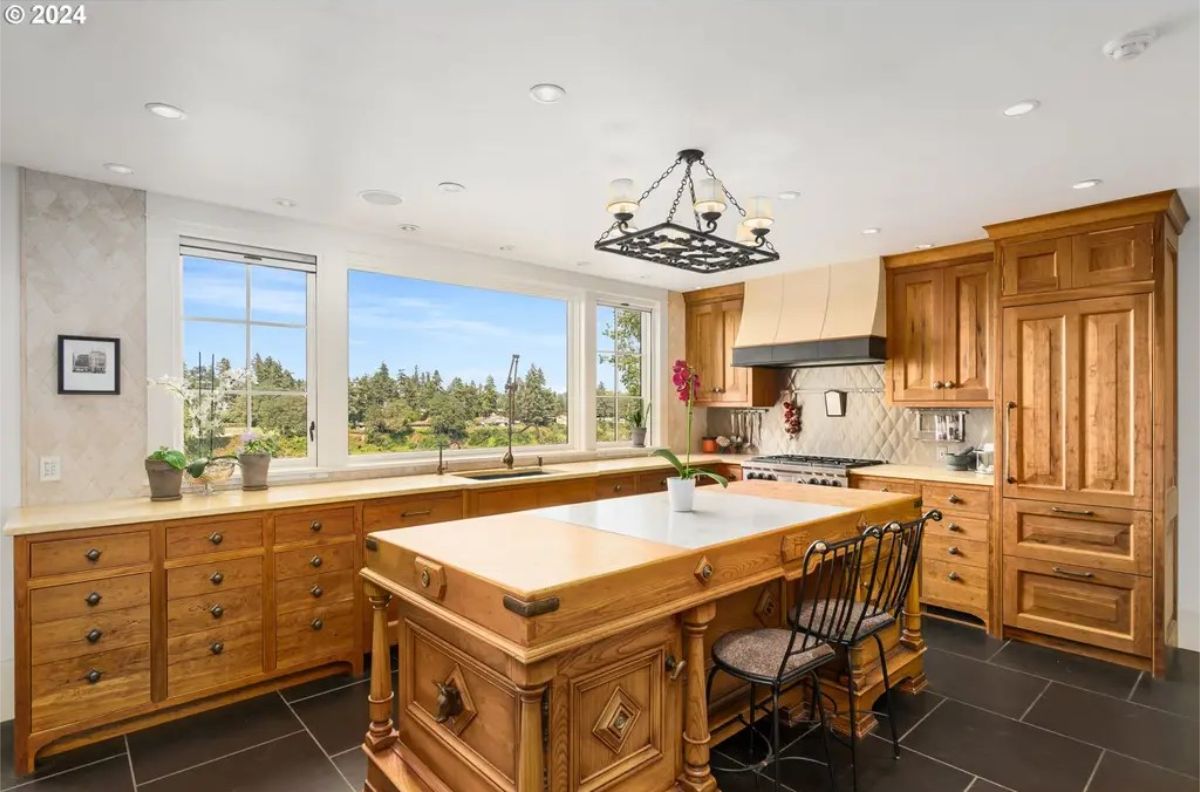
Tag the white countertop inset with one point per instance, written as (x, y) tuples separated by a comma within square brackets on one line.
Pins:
[(717, 517)]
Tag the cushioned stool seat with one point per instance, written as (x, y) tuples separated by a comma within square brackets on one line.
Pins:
[(760, 652)]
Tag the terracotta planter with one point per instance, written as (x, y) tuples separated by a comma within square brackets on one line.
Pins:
[(254, 470), (638, 435), (681, 492), (164, 481)]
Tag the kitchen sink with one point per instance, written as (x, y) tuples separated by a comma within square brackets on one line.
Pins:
[(496, 475)]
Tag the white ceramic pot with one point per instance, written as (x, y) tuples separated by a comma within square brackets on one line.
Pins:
[(681, 492)]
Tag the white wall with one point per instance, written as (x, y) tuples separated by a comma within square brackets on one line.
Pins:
[(10, 412), (1189, 427)]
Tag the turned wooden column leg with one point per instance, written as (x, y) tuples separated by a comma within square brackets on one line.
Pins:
[(697, 776), (910, 615), (381, 733), (531, 762)]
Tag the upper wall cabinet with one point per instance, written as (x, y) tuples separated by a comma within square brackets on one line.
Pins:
[(941, 330), (713, 318)]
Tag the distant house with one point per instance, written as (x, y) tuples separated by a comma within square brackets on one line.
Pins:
[(495, 419)]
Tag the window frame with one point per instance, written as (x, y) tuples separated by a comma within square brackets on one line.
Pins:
[(645, 356)]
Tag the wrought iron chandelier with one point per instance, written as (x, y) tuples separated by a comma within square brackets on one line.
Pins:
[(697, 249)]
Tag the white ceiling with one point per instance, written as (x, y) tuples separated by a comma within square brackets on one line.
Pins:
[(883, 113)]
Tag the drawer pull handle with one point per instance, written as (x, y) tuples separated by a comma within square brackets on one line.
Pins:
[(954, 499), (955, 527), (315, 526), (216, 578), (618, 487), (92, 555), (1078, 512), (884, 489), (953, 550), (93, 635), (953, 576), (315, 561), (215, 537), (1072, 573), (217, 647), (674, 667), (93, 676), (317, 624), (316, 591), (93, 599), (417, 513), (217, 611)]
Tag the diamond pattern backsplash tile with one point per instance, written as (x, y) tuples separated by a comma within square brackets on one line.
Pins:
[(870, 429)]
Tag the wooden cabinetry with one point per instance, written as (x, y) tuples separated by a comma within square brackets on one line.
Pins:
[(1100, 255), (713, 318), (941, 308)]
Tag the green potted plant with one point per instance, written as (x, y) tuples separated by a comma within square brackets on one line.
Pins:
[(681, 489), (254, 456), (164, 469), (638, 423)]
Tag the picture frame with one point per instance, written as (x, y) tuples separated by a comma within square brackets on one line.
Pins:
[(89, 365)]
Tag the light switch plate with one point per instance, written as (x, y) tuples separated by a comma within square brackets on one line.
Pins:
[(50, 469)]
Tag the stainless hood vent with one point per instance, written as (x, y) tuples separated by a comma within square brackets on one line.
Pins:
[(826, 316)]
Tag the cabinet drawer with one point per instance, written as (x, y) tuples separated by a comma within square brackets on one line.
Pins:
[(308, 634), (68, 691), (212, 609), (407, 512), (502, 501), (209, 576), (1092, 606), (1092, 536), (92, 597), (653, 482), (954, 585), (615, 487), (953, 499), (881, 484), (83, 635), (955, 550), (214, 657), (314, 526), (954, 525), (307, 591), (92, 553), (308, 560), (215, 536)]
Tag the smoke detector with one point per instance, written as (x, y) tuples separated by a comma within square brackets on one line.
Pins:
[(1130, 45)]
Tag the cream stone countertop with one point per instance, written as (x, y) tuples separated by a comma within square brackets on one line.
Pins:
[(926, 473), (96, 514)]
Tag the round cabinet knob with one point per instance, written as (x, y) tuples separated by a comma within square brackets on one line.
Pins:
[(948, 384), (216, 578), (315, 561), (217, 647), (93, 676), (706, 571), (93, 599), (425, 578), (315, 526), (617, 487), (938, 385), (316, 591), (317, 624), (955, 527), (953, 550), (217, 611), (955, 499), (952, 576), (93, 635), (92, 555), (884, 489), (215, 537)]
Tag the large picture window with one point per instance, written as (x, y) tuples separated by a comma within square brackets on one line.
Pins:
[(621, 341), (428, 364), (246, 348)]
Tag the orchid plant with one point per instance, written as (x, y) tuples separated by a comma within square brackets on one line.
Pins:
[(686, 381), (205, 409)]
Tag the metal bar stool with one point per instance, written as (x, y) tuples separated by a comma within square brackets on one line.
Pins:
[(875, 602)]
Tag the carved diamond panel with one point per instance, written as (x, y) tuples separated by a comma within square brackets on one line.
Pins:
[(458, 722), (616, 720), (766, 609)]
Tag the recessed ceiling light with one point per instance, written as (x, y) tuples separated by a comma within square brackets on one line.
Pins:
[(164, 110), (870, 231), (789, 195), (409, 227), (506, 248), (1022, 108), (117, 167), (547, 93), (583, 263), (643, 277), (381, 197), (451, 187), (286, 203), (925, 246), (1130, 45), (1086, 184)]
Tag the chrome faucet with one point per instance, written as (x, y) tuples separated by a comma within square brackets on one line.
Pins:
[(510, 388), (441, 468)]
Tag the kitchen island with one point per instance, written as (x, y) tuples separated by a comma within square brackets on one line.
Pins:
[(566, 648)]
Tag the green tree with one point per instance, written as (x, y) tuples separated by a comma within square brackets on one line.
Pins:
[(537, 405), (448, 417), (489, 397), (625, 337)]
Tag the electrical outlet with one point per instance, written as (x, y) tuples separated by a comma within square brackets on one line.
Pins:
[(50, 469), (941, 454)]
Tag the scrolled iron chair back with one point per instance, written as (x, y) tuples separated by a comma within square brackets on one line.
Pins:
[(900, 553)]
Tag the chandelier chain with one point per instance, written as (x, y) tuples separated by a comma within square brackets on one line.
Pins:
[(724, 189), (692, 191)]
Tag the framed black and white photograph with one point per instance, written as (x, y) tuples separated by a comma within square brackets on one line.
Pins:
[(89, 365)]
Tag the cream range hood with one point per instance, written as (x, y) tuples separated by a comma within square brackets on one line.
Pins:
[(834, 315)]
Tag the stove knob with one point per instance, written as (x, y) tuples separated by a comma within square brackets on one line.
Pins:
[(753, 476), (835, 483), (814, 480)]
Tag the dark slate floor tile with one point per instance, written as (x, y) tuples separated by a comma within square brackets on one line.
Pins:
[(1179, 692), (353, 764), (878, 770), (982, 684), (173, 746), (958, 637), (1070, 669), (909, 710), (1005, 751), (52, 764), (337, 719), (322, 685), (1121, 774), (983, 785), (292, 764), (109, 775), (1141, 732), (740, 781)]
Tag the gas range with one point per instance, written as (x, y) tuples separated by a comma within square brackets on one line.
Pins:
[(802, 469)]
